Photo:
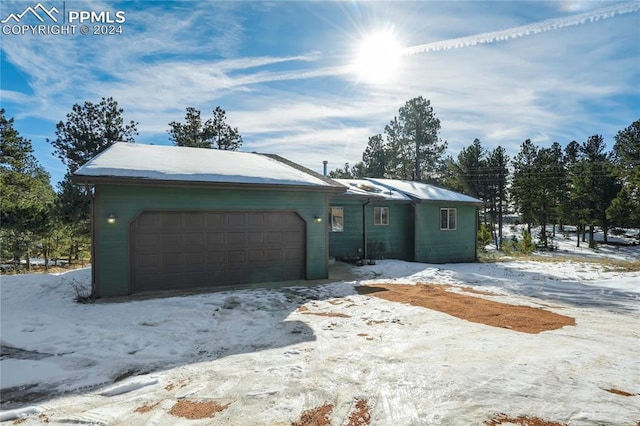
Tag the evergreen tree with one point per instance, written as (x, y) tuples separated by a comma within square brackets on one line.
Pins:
[(498, 170), (471, 169), (375, 157), (594, 185), (212, 133), (416, 152), (89, 130), (625, 208), (27, 196), (523, 187)]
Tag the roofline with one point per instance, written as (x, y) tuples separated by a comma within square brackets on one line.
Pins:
[(426, 200), (130, 181), (303, 169)]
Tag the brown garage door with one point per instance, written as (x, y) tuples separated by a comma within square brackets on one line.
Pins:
[(182, 250)]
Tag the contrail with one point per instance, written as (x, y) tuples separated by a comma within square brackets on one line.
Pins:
[(525, 30)]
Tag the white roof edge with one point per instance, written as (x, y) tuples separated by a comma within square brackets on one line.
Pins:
[(171, 163), (425, 191)]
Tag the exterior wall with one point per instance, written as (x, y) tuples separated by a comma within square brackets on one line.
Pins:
[(433, 245), (111, 263), (397, 237)]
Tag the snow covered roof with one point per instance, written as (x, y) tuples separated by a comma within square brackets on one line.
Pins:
[(172, 163), (424, 191), (368, 188)]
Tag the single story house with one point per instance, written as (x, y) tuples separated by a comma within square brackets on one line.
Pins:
[(173, 218), (395, 219), (168, 218)]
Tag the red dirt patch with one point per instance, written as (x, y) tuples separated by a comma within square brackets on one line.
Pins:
[(146, 408), (196, 410), (620, 392), (360, 416), (433, 296), (318, 416), (499, 419)]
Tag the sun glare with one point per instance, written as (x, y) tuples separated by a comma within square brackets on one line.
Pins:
[(378, 58)]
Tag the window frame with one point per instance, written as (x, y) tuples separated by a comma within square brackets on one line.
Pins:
[(379, 215), (450, 211), (333, 223)]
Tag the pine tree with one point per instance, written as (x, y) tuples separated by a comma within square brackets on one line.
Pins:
[(89, 130), (27, 196), (625, 208), (212, 133), (523, 187), (375, 157), (498, 170)]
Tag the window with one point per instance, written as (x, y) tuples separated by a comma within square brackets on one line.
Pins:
[(336, 219), (381, 215), (448, 219)]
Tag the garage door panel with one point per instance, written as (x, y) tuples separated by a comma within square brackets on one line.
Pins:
[(236, 220), (215, 219), (171, 242), (236, 257), (255, 220), (193, 220), (255, 237), (171, 220), (274, 255), (194, 241), (216, 258), (215, 238), (274, 237), (147, 241), (182, 250), (255, 256), (236, 239), (292, 237)]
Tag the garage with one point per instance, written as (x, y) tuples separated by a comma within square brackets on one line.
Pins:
[(173, 250)]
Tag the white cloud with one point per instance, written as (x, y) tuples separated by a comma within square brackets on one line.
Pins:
[(540, 85)]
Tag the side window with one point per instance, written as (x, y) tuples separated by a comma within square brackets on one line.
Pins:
[(336, 219), (381, 215), (448, 219)]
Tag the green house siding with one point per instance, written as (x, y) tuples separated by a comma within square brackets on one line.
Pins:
[(396, 237), (433, 245), (346, 243), (125, 202)]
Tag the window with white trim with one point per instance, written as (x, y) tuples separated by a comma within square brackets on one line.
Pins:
[(336, 219), (381, 215), (448, 219)]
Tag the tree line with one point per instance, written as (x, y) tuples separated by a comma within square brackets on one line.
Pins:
[(38, 221), (581, 184)]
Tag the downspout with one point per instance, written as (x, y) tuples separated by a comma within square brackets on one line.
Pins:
[(364, 228), (415, 230)]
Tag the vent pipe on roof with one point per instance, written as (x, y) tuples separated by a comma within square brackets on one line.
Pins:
[(324, 167)]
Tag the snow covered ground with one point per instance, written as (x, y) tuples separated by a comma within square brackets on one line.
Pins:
[(267, 356)]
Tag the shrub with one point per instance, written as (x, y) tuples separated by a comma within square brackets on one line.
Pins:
[(526, 246), (484, 237)]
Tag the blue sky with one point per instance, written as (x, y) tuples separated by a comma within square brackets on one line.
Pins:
[(287, 72)]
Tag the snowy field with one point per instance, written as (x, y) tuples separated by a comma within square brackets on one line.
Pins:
[(270, 357)]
